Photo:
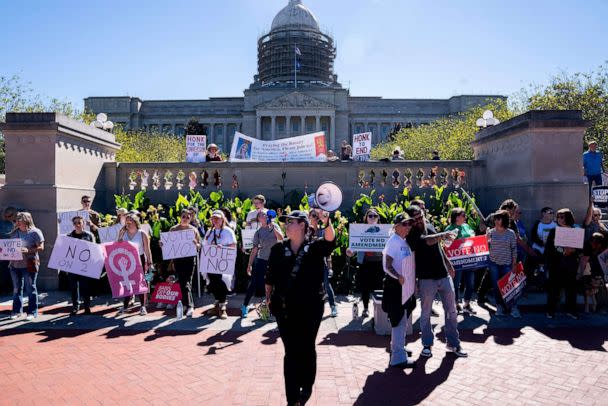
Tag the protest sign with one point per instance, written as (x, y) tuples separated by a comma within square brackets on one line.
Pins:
[(368, 237), (512, 285), (600, 196), (305, 148), (10, 250), (247, 237), (196, 148), (362, 146), (64, 220), (76, 256), (569, 237), (125, 271), (178, 244), (109, 234), (166, 292), (217, 259), (469, 253)]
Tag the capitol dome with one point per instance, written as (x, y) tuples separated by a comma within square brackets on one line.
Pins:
[(295, 15)]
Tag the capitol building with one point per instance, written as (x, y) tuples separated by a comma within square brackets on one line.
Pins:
[(294, 92)]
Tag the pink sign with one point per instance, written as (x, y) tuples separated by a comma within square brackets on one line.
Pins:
[(167, 292), (125, 272)]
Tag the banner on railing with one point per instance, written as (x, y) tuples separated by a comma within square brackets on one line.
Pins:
[(196, 148), (362, 146), (304, 148)]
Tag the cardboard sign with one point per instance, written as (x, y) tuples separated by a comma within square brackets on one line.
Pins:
[(167, 292), (304, 148), (77, 256), (469, 253), (512, 285), (64, 221), (362, 146), (600, 196), (368, 237), (178, 244), (247, 237), (109, 234), (125, 271), (10, 250), (569, 237), (196, 148), (217, 259)]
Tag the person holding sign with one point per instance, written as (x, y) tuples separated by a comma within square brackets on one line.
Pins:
[(94, 220), (562, 264), (264, 239), (132, 232), (399, 268), (184, 267), (213, 154), (294, 293), (80, 281), (222, 235), (258, 203), (25, 272), (7, 224)]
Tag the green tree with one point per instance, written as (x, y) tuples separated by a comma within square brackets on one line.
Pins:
[(195, 128), (141, 146)]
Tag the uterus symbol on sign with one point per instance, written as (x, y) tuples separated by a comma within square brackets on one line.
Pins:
[(124, 266)]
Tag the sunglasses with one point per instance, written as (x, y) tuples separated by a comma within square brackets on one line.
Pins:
[(292, 221), (86, 201), (372, 216), (407, 223)]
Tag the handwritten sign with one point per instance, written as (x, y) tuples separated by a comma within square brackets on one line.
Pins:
[(64, 221), (125, 271), (77, 256), (218, 260), (569, 237), (196, 148), (362, 146), (368, 237), (178, 244), (512, 285), (166, 292), (10, 250), (247, 237), (109, 234), (469, 253)]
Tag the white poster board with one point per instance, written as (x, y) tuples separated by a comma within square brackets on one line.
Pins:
[(109, 234), (196, 148), (247, 237), (362, 146), (368, 237), (64, 221), (10, 249), (305, 148), (569, 237), (77, 256), (178, 244), (217, 259)]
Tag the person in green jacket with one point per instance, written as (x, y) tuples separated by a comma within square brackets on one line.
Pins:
[(458, 222)]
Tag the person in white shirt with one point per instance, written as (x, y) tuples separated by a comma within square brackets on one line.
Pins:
[(258, 203)]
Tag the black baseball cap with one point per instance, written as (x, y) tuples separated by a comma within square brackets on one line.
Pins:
[(402, 218), (296, 214)]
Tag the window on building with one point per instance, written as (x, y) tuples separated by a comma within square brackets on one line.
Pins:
[(180, 130)]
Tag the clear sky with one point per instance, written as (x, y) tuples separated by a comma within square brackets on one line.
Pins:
[(195, 49)]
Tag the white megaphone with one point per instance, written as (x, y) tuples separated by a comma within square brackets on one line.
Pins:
[(328, 197)]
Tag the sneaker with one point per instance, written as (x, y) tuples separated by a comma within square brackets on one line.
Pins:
[(468, 309), (143, 311), (573, 315), (31, 316), (190, 312), (405, 364), (334, 311), (223, 314), (170, 307), (161, 305), (458, 351), (499, 312), (515, 313), (426, 352), (434, 313), (365, 313), (15, 316), (244, 311)]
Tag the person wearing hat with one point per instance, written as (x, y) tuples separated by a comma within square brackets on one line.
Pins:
[(399, 269), (219, 284), (294, 292), (213, 154), (593, 165), (397, 155), (121, 212)]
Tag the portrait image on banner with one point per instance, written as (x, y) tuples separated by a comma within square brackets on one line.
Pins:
[(196, 148), (76, 256), (64, 221), (304, 148), (362, 146), (124, 268)]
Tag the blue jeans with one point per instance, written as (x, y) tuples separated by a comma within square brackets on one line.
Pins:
[(398, 354), (469, 283), (328, 289), (594, 178), (428, 289), (22, 278), (496, 272), (258, 272)]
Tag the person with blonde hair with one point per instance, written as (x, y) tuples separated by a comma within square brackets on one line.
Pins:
[(24, 272)]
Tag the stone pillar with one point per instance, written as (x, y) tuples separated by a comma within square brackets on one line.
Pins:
[(332, 132), (288, 126), (211, 132), (273, 123), (51, 161), (318, 123), (378, 136), (258, 127)]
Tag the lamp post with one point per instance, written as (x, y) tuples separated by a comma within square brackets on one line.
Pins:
[(102, 122), (487, 120)]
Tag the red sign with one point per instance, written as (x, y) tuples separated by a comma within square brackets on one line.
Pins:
[(512, 284), (320, 147), (167, 292), (469, 253), (125, 272)]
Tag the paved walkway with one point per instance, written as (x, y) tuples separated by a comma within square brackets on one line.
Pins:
[(155, 359)]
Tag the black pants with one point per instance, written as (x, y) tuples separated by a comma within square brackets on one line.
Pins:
[(370, 276), (299, 333), (80, 283), (256, 284), (562, 278), (217, 287), (184, 268)]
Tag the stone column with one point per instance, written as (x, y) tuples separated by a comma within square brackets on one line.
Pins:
[(318, 123), (288, 126), (332, 131), (225, 134), (258, 127), (212, 132), (273, 123), (379, 136)]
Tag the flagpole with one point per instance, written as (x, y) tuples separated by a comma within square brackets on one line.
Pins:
[(295, 67)]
